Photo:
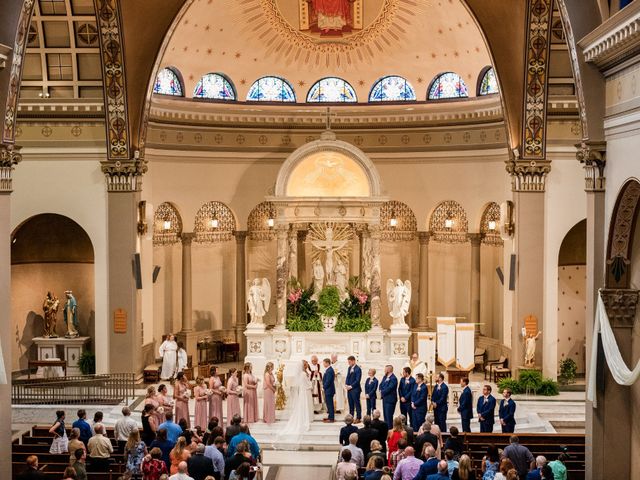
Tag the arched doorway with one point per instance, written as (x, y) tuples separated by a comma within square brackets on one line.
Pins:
[(49, 253)]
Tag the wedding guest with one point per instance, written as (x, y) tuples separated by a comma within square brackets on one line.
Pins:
[(435, 430), (201, 395), (74, 444), (454, 443), (430, 466), (381, 427), (507, 412), (31, 472), (100, 450), (505, 466), (377, 472), (559, 468), (418, 401), (329, 386), (60, 442), (153, 466), (389, 394), (180, 453), (536, 473), (172, 429), (217, 391), (69, 474), (347, 430), (243, 472), (181, 472), (240, 456), (357, 456), (408, 467), (465, 405), (354, 389), (149, 424), (375, 450), (97, 419), (371, 391), (399, 454), (440, 402), (200, 466), (134, 451), (366, 435), (490, 463), (405, 388), (163, 444), (249, 394), (123, 428), (213, 452), (269, 398), (443, 472), (395, 434), (409, 431), (212, 425), (520, 456), (426, 437), (82, 425), (181, 394), (244, 436), (486, 410), (233, 429), (189, 435), (345, 466), (451, 462), (233, 402), (80, 464)]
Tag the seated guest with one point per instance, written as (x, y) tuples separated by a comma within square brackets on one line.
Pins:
[(233, 429), (375, 450), (558, 467), (213, 451), (181, 473), (546, 473), (377, 472), (451, 463), (513, 474), (164, 445), (179, 454), (345, 466), (124, 427), (244, 436), (69, 474), (490, 462), (454, 443), (409, 467), (505, 466), (241, 455), (519, 455), (366, 435), (100, 450), (172, 428), (426, 437), (82, 425), (381, 427), (80, 464), (200, 466), (430, 466), (464, 470), (75, 443), (398, 455), (347, 430), (153, 466), (32, 472), (536, 473), (443, 472), (357, 456)]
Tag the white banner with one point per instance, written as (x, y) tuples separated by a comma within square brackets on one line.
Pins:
[(465, 346), (446, 329), (427, 350)]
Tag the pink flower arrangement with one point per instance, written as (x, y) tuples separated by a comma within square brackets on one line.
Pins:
[(361, 296), (295, 295)]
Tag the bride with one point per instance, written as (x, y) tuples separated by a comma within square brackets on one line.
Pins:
[(300, 407)]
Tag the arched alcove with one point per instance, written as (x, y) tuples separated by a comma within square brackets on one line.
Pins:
[(49, 253)]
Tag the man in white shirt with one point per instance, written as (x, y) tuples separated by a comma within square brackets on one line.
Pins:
[(124, 427), (182, 473)]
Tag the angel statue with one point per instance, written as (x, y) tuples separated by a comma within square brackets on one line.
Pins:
[(399, 298), (50, 306), (258, 299)]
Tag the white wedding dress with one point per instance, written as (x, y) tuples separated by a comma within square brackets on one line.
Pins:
[(300, 407)]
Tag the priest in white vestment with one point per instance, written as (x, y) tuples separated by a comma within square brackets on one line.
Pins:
[(316, 384), (340, 369), (417, 366), (169, 354)]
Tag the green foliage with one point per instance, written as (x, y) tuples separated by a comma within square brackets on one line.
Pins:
[(510, 383), (329, 301), (296, 323), (548, 388), (305, 307), (353, 324), (87, 363), (530, 380), (568, 369)]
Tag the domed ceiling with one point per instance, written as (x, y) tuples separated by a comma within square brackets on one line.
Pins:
[(305, 40)]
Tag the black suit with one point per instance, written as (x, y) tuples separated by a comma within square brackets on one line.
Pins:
[(200, 466), (365, 436), (230, 432), (426, 437), (31, 474), (383, 431), (411, 436), (345, 432)]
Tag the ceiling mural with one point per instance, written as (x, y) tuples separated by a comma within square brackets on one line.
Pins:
[(305, 40)]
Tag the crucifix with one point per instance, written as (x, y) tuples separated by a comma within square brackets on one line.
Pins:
[(327, 118)]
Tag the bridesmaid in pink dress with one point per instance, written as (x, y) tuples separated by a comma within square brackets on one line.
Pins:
[(151, 399), (233, 402), (202, 399), (181, 397), (249, 395), (164, 401), (269, 404), (217, 391)]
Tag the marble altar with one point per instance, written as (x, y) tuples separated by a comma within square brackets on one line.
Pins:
[(48, 349)]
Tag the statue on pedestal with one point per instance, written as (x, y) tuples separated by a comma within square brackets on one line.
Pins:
[(50, 306), (341, 280), (318, 278), (399, 299), (530, 347), (258, 299), (71, 315)]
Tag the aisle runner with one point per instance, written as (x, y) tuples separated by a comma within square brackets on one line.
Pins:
[(446, 328)]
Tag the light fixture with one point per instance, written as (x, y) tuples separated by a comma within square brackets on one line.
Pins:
[(393, 221), (166, 225), (448, 222), (44, 95), (492, 225), (270, 222), (214, 222)]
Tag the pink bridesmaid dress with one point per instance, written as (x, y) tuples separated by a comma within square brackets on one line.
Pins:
[(159, 417), (215, 400), (182, 404), (202, 399), (250, 398), (269, 404), (233, 402)]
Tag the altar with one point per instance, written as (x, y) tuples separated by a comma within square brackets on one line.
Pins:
[(49, 348)]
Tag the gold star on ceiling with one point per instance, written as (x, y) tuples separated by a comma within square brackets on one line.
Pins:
[(456, 54), (237, 54), (243, 81), (301, 83), (420, 80), (207, 28), (361, 83), (209, 50)]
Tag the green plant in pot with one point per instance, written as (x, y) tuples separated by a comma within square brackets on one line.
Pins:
[(329, 301), (87, 363), (568, 369)]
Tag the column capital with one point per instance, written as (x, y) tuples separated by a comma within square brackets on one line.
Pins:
[(10, 156), (241, 235), (528, 175), (187, 238), (423, 237), (302, 235), (593, 155), (621, 306), (124, 176), (475, 238)]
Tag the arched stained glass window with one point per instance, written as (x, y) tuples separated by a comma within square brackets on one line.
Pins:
[(488, 82), (215, 86), (271, 89), (168, 83), (331, 89), (448, 85), (392, 89)]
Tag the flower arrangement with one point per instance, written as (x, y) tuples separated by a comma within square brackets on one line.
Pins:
[(355, 310), (302, 310)]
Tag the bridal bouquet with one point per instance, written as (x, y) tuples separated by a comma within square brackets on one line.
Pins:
[(239, 390), (223, 392), (208, 392), (187, 394), (160, 410)]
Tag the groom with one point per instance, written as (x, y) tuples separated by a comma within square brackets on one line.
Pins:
[(354, 389), (329, 389)]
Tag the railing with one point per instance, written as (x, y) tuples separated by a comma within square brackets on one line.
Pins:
[(107, 389)]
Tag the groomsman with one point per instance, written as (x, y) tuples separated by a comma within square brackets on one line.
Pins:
[(485, 408), (404, 391), (440, 402), (507, 412), (354, 389), (329, 389), (418, 402), (465, 405), (371, 391), (389, 394)]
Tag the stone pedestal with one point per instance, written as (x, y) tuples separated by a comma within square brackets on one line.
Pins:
[(399, 336), (72, 348)]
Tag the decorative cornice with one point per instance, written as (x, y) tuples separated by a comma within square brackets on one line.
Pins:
[(241, 236), (616, 40), (593, 155), (10, 156), (528, 176), (124, 176), (621, 306)]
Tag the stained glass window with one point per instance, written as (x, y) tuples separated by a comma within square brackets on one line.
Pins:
[(331, 89), (168, 83), (271, 89), (489, 82), (448, 85), (215, 86), (392, 89)]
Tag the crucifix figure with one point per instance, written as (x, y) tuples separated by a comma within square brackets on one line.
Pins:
[(327, 118), (330, 247)]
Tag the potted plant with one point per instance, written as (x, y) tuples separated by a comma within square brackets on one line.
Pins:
[(568, 369), (329, 305)]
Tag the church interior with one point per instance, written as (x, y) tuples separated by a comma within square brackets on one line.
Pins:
[(270, 180)]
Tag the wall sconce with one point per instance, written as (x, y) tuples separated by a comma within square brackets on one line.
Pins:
[(166, 225), (214, 222), (270, 222), (393, 221), (492, 225), (448, 222)]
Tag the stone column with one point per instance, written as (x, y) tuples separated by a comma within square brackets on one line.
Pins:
[(474, 288), (364, 244), (354, 256), (282, 275), (375, 275), (423, 286), (9, 158), (292, 243), (187, 291), (303, 275), (528, 186), (241, 286)]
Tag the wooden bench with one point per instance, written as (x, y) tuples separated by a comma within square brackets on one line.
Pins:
[(46, 363), (151, 373)]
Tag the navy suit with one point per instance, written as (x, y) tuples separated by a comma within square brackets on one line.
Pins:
[(419, 407), (329, 387), (404, 391), (371, 389), (354, 375), (507, 412), (440, 397), (485, 409), (389, 395), (465, 408)]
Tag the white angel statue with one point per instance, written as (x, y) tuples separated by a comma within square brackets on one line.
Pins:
[(399, 299), (258, 299)]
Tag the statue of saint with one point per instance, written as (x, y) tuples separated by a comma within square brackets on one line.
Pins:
[(50, 307), (318, 278), (330, 247), (340, 277), (71, 315), (258, 299), (399, 299), (529, 347)]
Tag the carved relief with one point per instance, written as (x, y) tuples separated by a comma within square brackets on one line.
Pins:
[(621, 235)]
